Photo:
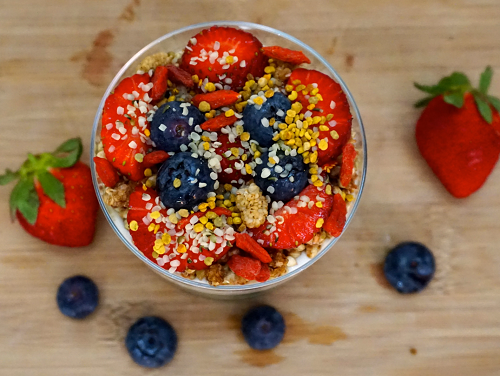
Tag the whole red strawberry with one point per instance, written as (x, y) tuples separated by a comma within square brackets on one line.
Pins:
[(458, 132), (54, 199)]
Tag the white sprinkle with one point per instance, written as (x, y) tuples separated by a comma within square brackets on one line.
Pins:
[(185, 111), (132, 145), (266, 173), (175, 263), (183, 147), (122, 130), (120, 110), (193, 41), (111, 148), (115, 136), (243, 64), (308, 114), (213, 175), (265, 122), (162, 127), (270, 189), (190, 121), (332, 105), (136, 94), (146, 197), (332, 123), (280, 113), (228, 81), (202, 185), (109, 126), (278, 169), (216, 45), (226, 66)]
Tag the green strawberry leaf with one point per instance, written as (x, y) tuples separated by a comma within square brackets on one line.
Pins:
[(484, 108), (434, 90), (25, 199), (455, 81), (485, 80), (495, 102), (454, 98), (67, 154), (52, 187), (423, 102), (8, 177)]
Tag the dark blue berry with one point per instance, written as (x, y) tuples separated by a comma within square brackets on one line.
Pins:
[(263, 328), (191, 172), (77, 297), (151, 342), (170, 128), (409, 267), (252, 118), (287, 179)]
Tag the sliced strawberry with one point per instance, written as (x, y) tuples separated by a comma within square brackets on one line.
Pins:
[(290, 230), (229, 172), (334, 102), (180, 76), (224, 55), (335, 222), (264, 273), (106, 172), (286, 55), (154, 158), (142, 227), (160, 83), (217, 99), (244, 267), (249, 245), (348, 158), (218, 122), (124, 120)]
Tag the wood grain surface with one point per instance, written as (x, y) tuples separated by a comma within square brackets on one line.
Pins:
[(57, 56)]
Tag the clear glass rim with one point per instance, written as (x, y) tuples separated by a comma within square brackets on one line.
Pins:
[(233, 288)]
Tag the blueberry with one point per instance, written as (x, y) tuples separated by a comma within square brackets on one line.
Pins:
[(191, 172), (263, 328), (77, 297), (151, 342), (172, 125), (252, 118), (409, 267), (284, 180)]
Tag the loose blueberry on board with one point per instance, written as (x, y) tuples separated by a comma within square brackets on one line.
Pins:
[(173, 123), (283, 180), (409, 267), (151, 342), (263, 327), (77, 297), (256, 120), (184, 181)]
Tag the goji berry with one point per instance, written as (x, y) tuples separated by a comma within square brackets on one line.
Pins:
[(160, 83), (218, 122), (244, 267), (180, 76), (286, 55), (249, 245), (106, 172), (348, 158), (154, 158), (335, 222), (216, 99), (264, 273)]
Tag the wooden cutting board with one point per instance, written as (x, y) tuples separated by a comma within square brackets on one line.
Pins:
[(56, 59)]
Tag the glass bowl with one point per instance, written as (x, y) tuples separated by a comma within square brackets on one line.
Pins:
[(176, 41)]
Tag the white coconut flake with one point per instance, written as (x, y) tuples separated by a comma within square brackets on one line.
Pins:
[(162, 127), (332, 105)]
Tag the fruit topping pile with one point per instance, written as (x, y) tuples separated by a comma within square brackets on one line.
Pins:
[(232, 156)]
